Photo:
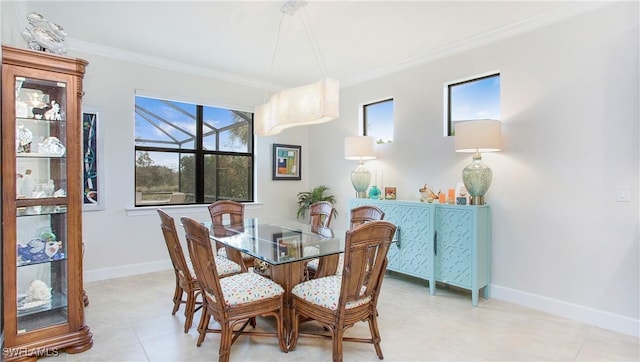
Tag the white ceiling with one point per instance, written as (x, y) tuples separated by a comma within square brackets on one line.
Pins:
[(235, 40)]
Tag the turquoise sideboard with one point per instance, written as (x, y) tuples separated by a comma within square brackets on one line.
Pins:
[(446, 243)]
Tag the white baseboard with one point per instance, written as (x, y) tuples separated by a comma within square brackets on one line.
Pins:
[(599, 318), (595, 317), (126, 270)]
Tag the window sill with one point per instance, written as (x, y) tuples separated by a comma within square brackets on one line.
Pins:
[(152, 210)]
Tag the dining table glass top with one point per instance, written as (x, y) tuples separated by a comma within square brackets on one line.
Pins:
[(279, 242)]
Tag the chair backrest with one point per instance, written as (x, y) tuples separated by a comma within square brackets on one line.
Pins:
[(365, 213), (202, 258), (176, 254), (320, 213), (222, 209), (365, 260)]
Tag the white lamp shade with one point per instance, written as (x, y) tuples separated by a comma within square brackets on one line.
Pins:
[(360, 148), (478, 136), (309, 104)]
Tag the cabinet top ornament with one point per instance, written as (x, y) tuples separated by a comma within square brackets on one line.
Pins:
[(44, 35)]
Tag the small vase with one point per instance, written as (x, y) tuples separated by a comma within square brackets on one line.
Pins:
[(374, 192)]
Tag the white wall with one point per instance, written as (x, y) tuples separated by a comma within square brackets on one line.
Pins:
[(570, 109)]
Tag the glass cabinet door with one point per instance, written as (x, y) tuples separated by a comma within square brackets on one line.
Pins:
[(41, 203)]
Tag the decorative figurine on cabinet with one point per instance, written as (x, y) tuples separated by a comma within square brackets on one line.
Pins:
[(42, 249), (426, 194), (53, 114)]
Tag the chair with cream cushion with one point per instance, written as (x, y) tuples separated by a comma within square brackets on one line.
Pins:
[(233, 300), (339, 301), (225, 215), (359, 215), (185, 276)]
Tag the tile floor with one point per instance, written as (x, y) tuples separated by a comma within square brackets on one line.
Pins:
[(131, 321)]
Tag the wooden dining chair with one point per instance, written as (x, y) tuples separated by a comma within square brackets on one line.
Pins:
[(233, 213), (320, 214), (365, 213), (339, 301), (186, 283), (359, 215), (233, 300)]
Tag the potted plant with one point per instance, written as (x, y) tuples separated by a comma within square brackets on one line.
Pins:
[(306, 198)]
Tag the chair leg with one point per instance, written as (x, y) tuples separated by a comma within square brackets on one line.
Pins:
[(375, 334), (177, 297), (189, 310), (226, 338), (204, 324), (295, 329), (338, 333), (280, 330)]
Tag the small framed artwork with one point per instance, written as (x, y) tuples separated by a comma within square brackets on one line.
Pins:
[(287, 245), (390, 193), (286, 162), (93, 186)]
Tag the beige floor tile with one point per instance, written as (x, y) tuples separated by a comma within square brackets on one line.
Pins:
[(131, 320)]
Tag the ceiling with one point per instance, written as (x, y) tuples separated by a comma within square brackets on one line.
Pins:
[(235, 40)]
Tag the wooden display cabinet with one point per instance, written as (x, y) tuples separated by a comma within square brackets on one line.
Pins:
[(43, 306)]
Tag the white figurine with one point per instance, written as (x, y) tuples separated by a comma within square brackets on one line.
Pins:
[(53, 114), (38, 291), (28, 184)]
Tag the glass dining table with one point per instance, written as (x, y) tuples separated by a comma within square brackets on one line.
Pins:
[(285, 246)]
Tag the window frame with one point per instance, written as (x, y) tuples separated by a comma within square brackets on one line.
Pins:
[(363, 116), (447, 122), (200, 153)]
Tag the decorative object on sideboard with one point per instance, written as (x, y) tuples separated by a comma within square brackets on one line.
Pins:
[(44, 35), (442, 198), (451, 196), (374, 192), (309, 104), (360, 148), (390, 193), (478, 136), (426, 194), (461, 194)]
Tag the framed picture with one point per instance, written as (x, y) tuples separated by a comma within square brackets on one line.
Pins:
[(93, 186), (390, 193), (287, 245), (286, 162)]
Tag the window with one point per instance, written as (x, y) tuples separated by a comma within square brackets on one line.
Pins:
[(191, 154), (378, 120), (472, 98)]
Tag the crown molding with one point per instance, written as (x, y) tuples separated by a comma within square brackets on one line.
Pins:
[(494, 35), (134, 57)]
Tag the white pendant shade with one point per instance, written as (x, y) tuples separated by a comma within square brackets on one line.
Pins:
[(309, 104)]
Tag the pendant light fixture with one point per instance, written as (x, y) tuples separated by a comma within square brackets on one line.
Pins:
[(304, 105)]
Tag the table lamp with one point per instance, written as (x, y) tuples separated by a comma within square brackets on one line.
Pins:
[(360, 148), (478, 136)]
